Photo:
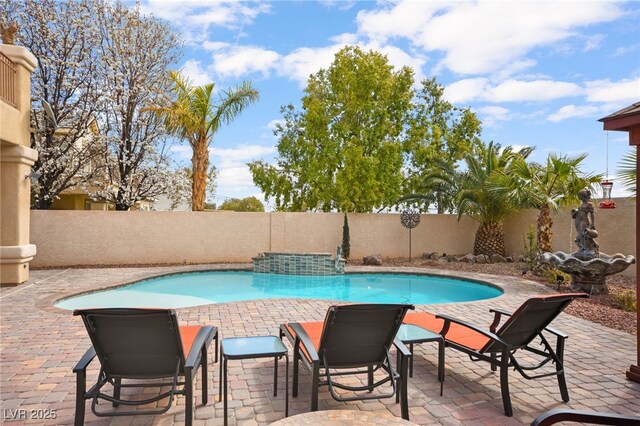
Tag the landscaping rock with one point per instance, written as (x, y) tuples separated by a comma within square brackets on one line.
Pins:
[(430, 256), (373, 260), (469, 258), (496, 258), (481, 258)]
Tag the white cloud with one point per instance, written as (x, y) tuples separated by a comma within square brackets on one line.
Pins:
[(181, 152), (302, 62), (481, 89), (571, 111), (194, 72), (623, 91), (241, 153), (539, 90), (238, 61), (490, 115), (483, 36), (194, 17), (234, 179), (466, 90)]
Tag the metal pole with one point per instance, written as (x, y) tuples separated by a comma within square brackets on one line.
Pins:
[(409, 244)]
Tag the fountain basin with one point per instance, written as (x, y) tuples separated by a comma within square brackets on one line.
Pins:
[(589, 275)]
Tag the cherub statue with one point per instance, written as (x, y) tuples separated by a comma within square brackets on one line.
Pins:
[(584, 217)]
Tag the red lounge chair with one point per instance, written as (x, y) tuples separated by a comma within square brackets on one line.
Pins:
[(141, 345), (500, 346), (353, 339)]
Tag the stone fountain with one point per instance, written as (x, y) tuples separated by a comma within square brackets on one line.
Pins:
[(588, 267)]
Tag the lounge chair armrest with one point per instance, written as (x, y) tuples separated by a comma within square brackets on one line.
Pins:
[(401, 347), (85, 360), (447, 319), (203, 338), (556, 332), (565, 415), (305, 340), (500, 311)]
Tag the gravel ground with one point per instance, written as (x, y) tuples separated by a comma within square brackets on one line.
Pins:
[(603, 309)]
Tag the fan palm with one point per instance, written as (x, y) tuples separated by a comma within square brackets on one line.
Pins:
[(628, 171), (194, 115), (476, 197), (545, 188), (477, 200)]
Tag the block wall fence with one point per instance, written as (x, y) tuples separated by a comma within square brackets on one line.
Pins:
[(71, 238)]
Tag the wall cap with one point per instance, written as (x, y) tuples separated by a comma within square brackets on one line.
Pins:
[(20, 55), (17, 254), (18, 154)]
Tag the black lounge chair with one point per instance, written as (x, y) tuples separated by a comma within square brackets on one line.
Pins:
[(353, 339), (141, 345), (552, 417), (500, 346)]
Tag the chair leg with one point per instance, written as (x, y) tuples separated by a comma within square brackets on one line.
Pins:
[(370, 378), (116, 391), (275, 376), (220, 378), (188, 404), (205, 378), (315, 384), (562, 383), (404, 379), (296, 360), (504, 383), (81, 386)]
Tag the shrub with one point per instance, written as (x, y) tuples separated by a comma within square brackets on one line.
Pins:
[(346, 243), (556, 277), (530, 251), (627, 301)]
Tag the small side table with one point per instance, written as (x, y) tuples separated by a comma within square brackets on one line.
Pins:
[(254, 347), (410, 333)]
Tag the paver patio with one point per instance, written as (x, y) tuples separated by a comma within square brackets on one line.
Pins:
[(40, 344)]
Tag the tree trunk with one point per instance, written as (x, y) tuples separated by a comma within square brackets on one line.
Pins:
[(489, 239), (121, 203), (545, 225), (200, 164)]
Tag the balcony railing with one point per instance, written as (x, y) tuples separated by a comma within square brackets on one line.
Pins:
[(7, 80)]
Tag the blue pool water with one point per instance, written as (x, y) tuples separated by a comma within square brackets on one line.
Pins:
[(203, 288)]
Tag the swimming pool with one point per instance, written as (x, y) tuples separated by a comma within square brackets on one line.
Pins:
[(203, 288)]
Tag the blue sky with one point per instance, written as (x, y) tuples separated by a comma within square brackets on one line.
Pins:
[(537, 73)]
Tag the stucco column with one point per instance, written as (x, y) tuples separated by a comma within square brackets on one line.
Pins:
[(16, 159)]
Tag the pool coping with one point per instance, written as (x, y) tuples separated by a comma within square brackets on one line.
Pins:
[(509, 285)]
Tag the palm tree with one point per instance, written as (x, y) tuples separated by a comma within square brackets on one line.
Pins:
[(476, 197), (628, 172), (545, 188), (194, 115), (477, 200)]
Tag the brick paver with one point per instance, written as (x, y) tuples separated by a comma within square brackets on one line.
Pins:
[(40, 344)]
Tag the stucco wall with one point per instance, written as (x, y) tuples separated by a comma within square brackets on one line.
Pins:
[(96, 237), (108, 237)]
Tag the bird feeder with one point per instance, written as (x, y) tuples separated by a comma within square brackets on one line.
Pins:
[(607, 202)]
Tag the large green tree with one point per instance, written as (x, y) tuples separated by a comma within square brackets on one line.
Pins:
[(438, 133), (344, 150), (194, 114), (247, 204), (544, 187)]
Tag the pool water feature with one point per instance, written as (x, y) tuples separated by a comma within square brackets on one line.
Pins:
[(203, 288)]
